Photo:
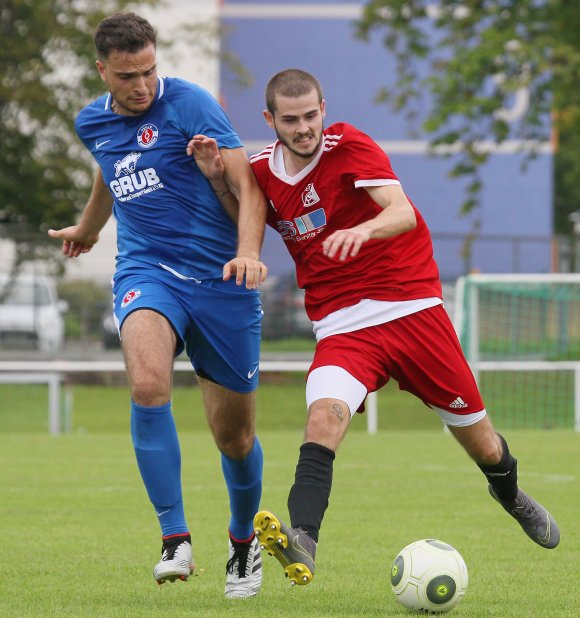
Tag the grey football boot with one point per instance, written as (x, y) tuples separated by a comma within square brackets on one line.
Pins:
[(535, 520), (292, 547)]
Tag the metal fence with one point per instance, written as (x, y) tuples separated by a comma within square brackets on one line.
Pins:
[(78, 315), (57, 314)]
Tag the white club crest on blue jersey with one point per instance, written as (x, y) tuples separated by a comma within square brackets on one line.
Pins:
[(147, 135), (127, 164), (309, 196)]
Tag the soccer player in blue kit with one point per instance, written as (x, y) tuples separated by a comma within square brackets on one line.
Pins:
[(179, 281)]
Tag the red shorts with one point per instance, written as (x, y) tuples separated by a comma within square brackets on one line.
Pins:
[(420, 351)]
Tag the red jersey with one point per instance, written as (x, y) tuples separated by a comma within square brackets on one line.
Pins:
[(328, 195)]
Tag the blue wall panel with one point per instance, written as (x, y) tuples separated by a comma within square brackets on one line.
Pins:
[(516, 204), (349, 70)]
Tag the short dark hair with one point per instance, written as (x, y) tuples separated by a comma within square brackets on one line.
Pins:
[(291, 83), (126, 32)]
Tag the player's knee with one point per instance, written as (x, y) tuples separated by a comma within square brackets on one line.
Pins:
[(150, 391), (327, 422), (487, 452), (235, 445)]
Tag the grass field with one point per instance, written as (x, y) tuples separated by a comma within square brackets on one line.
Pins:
[(80, 539)]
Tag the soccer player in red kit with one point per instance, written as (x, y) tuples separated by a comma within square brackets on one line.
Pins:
[(364, 256)]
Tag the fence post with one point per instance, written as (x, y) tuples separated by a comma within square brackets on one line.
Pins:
[(577, 399), (54, 404), (372, 413)]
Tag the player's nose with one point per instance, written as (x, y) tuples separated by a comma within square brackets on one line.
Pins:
[(302, 126), (140, 85)]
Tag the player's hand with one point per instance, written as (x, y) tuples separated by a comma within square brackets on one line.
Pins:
[(206, 153), (254, 271), (74, 240), (345, 243)]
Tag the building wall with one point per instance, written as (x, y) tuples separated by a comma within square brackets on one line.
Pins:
[(318, 36)]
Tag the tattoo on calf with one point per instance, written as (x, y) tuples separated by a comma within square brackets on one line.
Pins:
[(337, 410)]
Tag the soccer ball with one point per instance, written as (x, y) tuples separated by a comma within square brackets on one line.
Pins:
[(429, 577)]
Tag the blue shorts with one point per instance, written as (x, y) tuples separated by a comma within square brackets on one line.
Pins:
[(217, 322)]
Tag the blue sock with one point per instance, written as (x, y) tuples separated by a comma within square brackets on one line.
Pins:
[(159, 460), (244, 483)]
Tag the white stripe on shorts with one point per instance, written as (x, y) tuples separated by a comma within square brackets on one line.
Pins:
[(459, 420), (333, 382)]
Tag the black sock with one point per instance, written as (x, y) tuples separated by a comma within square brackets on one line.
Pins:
[(309, 495), (503, 477)]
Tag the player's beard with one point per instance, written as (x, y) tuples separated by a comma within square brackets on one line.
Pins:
[(301, 153)]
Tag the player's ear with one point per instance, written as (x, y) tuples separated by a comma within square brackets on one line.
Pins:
[(323, 107), (101, 69), (269, 118)]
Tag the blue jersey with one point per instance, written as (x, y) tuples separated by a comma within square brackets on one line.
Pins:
[(167, 214)]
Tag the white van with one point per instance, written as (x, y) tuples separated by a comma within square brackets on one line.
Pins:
[(31, 313)]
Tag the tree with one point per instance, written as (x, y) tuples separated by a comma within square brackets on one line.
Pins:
[(47, 67), (481, 55), (47, 74)]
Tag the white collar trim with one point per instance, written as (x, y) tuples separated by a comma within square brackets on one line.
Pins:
[(278, 168), (160, 93)]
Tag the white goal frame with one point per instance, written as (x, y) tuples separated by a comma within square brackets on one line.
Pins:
[(472, 353)]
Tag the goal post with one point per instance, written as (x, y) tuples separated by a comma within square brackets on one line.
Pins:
[(521, 336)]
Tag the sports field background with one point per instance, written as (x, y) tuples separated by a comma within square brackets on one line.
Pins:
[(79, 537)]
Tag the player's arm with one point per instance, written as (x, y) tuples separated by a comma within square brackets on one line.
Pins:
[(208, 158), (397, 217), (251, 218), (80, 238), (231, 177)]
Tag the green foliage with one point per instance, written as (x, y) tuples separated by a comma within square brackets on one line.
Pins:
[(48, 74), (567, 169), (47, 64), (483, 52), (86, 303)]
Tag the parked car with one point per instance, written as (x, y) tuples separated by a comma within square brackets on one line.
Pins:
[(109, 332), (284, 313), (31, 312)]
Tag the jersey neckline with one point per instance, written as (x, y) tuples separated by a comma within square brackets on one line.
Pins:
[(277, 156), (160, 92)]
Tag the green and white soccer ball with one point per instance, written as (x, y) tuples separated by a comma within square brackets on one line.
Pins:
[(429, 577)]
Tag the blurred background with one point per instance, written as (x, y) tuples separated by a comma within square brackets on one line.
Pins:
[(480, 124), (477, 104)]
